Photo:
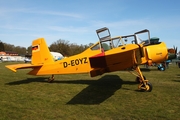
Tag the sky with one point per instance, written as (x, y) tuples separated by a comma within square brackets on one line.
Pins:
[(22, 21)]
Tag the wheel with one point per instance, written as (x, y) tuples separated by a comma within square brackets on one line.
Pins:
[(138, 79), (162, 69), (148, 87), (51, 79)]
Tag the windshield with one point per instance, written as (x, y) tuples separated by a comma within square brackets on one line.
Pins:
[(107, 43)]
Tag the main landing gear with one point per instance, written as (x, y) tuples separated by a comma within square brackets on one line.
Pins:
[(144, 85), (51, 79)]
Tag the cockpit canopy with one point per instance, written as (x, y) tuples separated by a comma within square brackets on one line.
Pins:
[(107, 42)]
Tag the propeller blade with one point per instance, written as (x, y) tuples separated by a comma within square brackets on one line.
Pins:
[(172, 53), (176, 50)]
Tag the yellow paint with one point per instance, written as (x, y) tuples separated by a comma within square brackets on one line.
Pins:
[(41, 54), (157, 52), (92, 60)]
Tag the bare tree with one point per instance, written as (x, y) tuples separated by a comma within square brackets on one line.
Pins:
[(1, 46), (66, 48)]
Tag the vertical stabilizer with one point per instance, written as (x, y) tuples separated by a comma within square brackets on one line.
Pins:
[(40, 52)]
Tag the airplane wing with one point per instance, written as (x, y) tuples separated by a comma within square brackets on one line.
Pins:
[(21, 66), (102, 63)]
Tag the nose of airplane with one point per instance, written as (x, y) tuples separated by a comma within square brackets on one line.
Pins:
[(157, 53)]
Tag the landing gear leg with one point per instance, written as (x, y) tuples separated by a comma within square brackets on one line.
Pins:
[(144, 85), (51, 79)]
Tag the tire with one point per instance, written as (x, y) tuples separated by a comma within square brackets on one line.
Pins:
[(149, 87), (162, 69)]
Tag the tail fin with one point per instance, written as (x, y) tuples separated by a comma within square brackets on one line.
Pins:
[(40, 52)]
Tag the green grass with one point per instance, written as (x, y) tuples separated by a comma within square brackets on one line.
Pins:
[(111, 96)]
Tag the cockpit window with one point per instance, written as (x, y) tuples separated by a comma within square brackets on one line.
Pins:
[(106, 42), (106, 45), (117, 42), (142, 37), (96, 47)]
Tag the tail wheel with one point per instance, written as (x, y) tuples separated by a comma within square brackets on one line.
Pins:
[(51, 79)]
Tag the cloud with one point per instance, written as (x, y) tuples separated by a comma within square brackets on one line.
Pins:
[(73, 15), (68, 29), (12, 27), (155, 24), (10, 11)]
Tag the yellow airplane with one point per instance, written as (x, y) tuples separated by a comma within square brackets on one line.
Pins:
[(107, 55)]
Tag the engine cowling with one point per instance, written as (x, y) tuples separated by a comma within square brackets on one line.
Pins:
[(156, 53)]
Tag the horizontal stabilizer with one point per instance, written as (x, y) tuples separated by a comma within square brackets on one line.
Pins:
[(21, 66)]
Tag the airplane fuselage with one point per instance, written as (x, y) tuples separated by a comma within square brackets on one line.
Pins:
[(115, 59)]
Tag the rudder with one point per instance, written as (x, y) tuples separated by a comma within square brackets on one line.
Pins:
[(40, 52)]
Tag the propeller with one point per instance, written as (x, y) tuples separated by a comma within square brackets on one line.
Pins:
[(172, 53), (175, 50)]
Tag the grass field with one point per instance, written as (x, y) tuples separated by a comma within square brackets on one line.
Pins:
[(112, 96)]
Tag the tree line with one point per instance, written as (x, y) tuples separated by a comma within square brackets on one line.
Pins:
[(66, 48), (62, 46), (11, 48)]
